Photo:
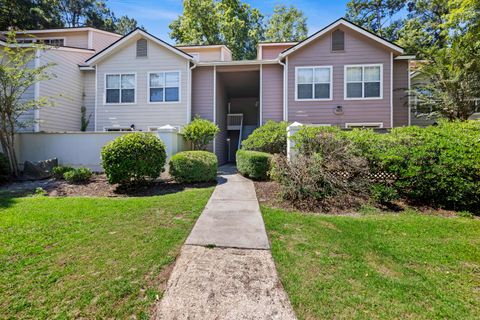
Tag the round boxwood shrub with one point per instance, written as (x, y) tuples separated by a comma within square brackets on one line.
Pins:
[(193, 166), (134, 157), (78, 175), (270, 138), (253, 164), (200, 132)]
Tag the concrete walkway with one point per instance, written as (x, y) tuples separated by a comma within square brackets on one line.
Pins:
[(225, 269)]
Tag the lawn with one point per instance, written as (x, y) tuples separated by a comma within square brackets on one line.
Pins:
[(90, 257), (377, 266)]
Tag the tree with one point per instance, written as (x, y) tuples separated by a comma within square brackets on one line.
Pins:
[(229, 22), (86, 13), (377, 16), (125, 25), (286, 24), (16, 76), (200, 132), (28, 14)]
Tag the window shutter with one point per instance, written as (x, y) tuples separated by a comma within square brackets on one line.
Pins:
[(338, 40), (142, 48)]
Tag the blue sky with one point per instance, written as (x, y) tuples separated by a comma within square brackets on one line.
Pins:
[(155, 15)]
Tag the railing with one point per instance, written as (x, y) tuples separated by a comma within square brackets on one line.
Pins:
[(234, 121)]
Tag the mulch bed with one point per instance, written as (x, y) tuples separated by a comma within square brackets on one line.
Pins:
[(98, 186)]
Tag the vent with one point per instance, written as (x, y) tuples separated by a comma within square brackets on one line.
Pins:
[(338, 40), (142, 48)]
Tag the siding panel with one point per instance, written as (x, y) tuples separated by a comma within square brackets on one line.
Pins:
[(202, 92), (89, 97), (272, 93), (358, 50), (400, 95), (101, 40)]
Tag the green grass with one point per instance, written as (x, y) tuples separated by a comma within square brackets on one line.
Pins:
[(390, 266), (63, 258)]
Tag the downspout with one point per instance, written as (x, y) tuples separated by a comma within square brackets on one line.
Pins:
[(284, 89), (189, 106)]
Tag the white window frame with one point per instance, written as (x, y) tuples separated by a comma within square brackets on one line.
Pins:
[(313, 83), (363, 82), (120, 103), (36, 39), (179, 87), (352, 125)]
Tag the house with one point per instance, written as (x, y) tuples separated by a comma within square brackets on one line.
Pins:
[(341, 75)]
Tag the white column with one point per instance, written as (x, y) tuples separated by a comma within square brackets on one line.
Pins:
[(291, 130)]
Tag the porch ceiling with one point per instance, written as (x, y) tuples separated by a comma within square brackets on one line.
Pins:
[(243, 84)]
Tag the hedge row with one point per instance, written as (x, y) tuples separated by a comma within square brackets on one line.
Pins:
[(253, 164)]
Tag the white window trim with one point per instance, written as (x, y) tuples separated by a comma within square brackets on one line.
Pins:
[(179, 88), (313, 99), (349, 125), (105, 89), (37, 39), (363, 86)]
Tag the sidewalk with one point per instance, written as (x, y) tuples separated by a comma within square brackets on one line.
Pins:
[(226, 270)]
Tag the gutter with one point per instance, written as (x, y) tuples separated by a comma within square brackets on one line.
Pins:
[(284, 89)]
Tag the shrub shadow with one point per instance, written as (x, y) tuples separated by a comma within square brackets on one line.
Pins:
[(158, 188)]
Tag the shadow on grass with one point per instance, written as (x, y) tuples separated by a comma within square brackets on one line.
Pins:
[(158, 188)]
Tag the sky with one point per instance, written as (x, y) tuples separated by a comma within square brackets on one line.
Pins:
[(156, 15)]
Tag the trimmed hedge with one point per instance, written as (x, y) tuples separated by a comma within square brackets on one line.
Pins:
[(193, 166), (253, 164), (134, 157), (270, 138), (78, 175)]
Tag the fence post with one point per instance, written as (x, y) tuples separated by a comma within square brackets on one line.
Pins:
[(168, 134), (291, 130)]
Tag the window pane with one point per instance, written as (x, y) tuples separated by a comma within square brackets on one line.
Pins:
[(171, 94), (172, 79), (354, 74), (372, 89), (305, 75), (128, 81), (354, 90), (322, 91), (372, 73), (113, 95), (322, 75), (156, 80), (156, 95), (305, 91), (128, 95), (113, 81)]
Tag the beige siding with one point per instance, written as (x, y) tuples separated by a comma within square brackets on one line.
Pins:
[(205, 53), (221, 147), (89, 97), (358, 50), (102, 40), (72, 39), (142, 114), (272, 52), (272, 93), (400, 93), (27, 118), (202, 92), (65, 90), (227, 55)]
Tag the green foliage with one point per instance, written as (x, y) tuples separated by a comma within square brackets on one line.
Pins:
[(437, 165), (40, 192), (307, 138), (193, 166), (270, 138), (5, 171), (286, 24), (78, 175), (133, 157), (230, 22), (59, 171), (84, 119), (253, 164), (383, 193), (200, 132)]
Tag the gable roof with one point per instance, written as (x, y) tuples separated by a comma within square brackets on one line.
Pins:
[(105, 52), (348, 24)]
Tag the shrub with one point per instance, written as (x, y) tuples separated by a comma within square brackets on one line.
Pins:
[(307, 138), (383, 193), (133, 157), (59, 171), (333, 170), (200, 132), (78, 175), (253, 164), (4, 168), (270, 138), (193, 166)]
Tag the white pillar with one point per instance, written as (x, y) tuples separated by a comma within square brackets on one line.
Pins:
[(291, 130)]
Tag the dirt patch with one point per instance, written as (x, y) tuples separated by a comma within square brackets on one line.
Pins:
[(98, 186), (384, 268)]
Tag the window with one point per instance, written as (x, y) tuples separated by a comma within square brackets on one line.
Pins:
[(338, 40), (120, 88), (142, 48), (57, 42), (363, 82), (313, 83), (164, 87)]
